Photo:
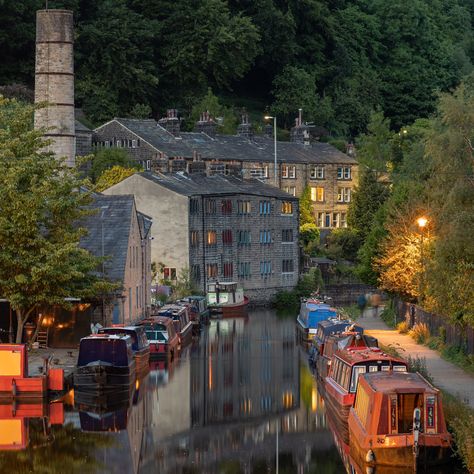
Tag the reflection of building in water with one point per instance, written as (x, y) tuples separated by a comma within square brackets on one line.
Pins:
[(244, 373)]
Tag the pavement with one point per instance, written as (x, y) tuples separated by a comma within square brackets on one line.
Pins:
[(446, 375), (61, 358)]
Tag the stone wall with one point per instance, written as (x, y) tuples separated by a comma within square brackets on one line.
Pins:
[(346, 294)]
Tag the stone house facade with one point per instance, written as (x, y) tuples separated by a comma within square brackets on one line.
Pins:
[(220, 228), (162, 147)]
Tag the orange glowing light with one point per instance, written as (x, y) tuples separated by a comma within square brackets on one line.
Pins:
[(210, 372), (422, 221)]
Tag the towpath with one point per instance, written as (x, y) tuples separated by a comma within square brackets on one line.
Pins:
[(445, 375)]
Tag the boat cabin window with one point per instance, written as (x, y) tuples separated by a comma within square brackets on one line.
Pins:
[(373, 368), (356, 371), (114, 351), (161, 336), (405, 405), (399, 368), (341, 373), (385, 368)]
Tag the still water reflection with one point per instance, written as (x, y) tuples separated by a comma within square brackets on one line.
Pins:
[(235, 398)]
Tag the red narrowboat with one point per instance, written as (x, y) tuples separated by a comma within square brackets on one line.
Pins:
[(15, 381), (398, 421), (162, 337), (341, 383), (180, 315)]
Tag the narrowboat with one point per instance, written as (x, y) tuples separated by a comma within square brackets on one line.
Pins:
[(105, 364), (312, 311), (15, 381), (180, 315), (199, 312), (341, 383), (226, 298), (140, 344), (398, 421), (162, 337)]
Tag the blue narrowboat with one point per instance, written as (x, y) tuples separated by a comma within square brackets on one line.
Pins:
[(312, 311)]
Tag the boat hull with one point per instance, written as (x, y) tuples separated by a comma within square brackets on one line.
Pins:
[(142, 361), (230, 310), (99, 378), (339, 405)]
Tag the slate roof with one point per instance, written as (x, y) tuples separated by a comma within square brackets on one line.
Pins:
[(80, 127), (232, 147), (116, 220), (201, 185)]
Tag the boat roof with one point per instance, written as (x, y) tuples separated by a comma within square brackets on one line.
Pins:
[(172, 309), (398, 382), (157, 320), (332, 325), (116, 329), (356, 356), (99, 337)]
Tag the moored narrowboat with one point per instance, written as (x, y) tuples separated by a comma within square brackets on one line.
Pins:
[(105, 364), (199, 312), (398, 420), (180, 315), (341, 383), (226, 299), (140, 344), (312, 311), (162, 337)]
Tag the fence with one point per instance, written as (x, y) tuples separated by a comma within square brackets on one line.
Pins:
[(454, 334), (346, 294)]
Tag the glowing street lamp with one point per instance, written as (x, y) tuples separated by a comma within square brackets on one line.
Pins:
[(268, 117), (422, 221)]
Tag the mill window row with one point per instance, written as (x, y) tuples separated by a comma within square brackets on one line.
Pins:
[(244, 237), (211, 207)]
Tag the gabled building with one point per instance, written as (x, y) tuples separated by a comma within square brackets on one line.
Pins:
[(220, 228), (162, 147)]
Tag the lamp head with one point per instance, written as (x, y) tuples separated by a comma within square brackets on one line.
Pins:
[(268, 117), (422, 221)]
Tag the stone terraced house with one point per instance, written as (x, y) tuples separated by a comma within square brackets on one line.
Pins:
[(161, 146), (220, 228)]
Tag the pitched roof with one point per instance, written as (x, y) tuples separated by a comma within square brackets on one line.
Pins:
[(232, 147), (110, 225), (201, 185)]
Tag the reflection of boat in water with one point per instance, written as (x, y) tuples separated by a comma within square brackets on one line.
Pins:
[(15, 417), (398, 420)]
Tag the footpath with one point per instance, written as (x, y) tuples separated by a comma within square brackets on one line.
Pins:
[(445, 375)]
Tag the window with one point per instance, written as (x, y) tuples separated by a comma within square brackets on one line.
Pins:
[(327, 220), (169, 273), (344, 172), (287, 266), (356, 371), (287, 207), (134, 143), (243, 207), (343, 220), (265, 237), (320, 219), (317, 172), (226, 206), (211, 237), (343, 194), (196, 273), (244, 237), (210, 206), (227, 237), (228, 269), (194, 238), (287, 235), (194, 206), (335, 219), (211, 270), (265, 268), (290, 190), (244, 269), (260, 172), (288, 171), (317, 194), (148, 165), (265, 208), (118, 143)]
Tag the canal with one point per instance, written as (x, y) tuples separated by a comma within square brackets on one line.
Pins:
[(238, 397)]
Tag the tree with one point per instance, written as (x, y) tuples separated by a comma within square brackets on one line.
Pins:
[(112, 176), (41, 262), (309, 237), (306, 207), (107, 158)]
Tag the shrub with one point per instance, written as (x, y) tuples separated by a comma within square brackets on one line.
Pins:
[(388, 316), (286, 299), (418, 364), (402, 327), (420, 332)]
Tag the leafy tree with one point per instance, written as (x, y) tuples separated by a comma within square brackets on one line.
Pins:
[(309, 237), (41, 262), (107, 158), (306, 208), (141, 111), (112, 176), (343, 244)]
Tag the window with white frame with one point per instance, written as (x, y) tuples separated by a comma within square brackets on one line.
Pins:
[(317, 172), (320, 221), (134, 143), (317, 194), (288, 171), (344, 172), (343, 194), (290, 190), (343, 220), (260, 172)]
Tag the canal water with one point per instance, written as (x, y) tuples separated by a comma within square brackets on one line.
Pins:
[(241, 399)]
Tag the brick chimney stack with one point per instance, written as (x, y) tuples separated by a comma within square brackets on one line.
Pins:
[(300, 133), (245, 128), (171, 122), (54, 81), (206, 124)]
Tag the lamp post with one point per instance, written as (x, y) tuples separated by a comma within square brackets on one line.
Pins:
[(102, 212), (422, 221), (268, 117)]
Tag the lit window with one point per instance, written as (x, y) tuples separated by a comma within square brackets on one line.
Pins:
[(211, 237), (286, 207), (317, 194), (194, 238), (243, 207)]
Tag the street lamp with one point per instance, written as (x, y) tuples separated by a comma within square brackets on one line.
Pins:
[(268, 117), (422, 221)]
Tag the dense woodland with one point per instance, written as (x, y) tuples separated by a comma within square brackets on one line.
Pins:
[(337, 59)]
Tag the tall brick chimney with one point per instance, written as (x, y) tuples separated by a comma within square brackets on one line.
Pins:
[(245, 127), (54, 80), (171, 122), (300, 133), (206, 124)]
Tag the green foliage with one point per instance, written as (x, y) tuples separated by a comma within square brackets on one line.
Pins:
[(343, 244), (402, 327), (112, 176), (418, 364), (184, 285), (140, 111), (309, 237), (107, 158), (286, 299), (41, 262), (388, 316), (306, 207), (420, 332)]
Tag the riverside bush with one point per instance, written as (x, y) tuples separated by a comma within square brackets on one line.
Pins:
[(420, 332), (402, 327)]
